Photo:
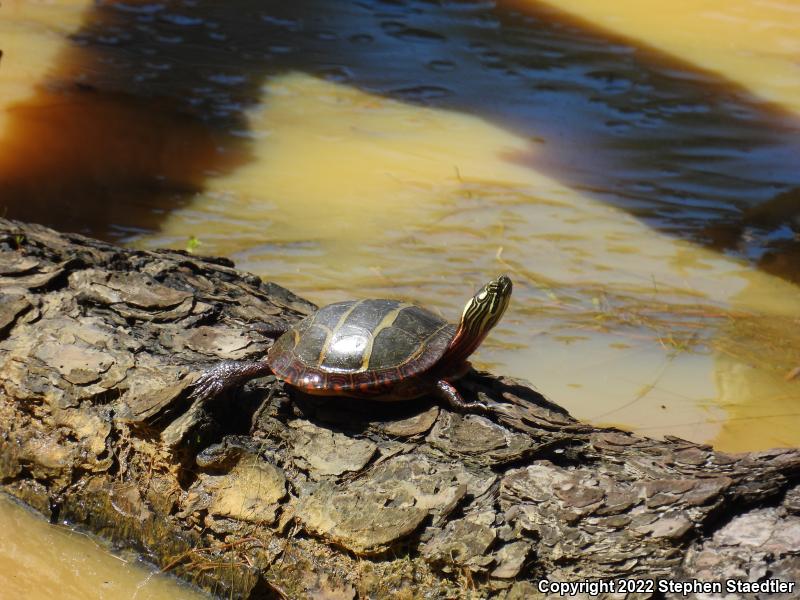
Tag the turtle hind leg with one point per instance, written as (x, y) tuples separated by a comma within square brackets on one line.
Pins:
[(226, 375), (447, 392)]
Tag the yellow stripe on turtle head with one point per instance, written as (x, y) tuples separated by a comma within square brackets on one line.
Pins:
[(486, 308)]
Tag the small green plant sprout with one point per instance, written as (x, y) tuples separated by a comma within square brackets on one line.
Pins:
[(192, 244)]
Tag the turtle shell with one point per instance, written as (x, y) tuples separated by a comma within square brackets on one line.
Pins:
[(364, 347)]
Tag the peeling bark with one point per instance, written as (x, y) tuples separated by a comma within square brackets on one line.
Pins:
[(266, 493)]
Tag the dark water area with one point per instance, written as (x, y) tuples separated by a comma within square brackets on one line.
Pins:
[(149, 101)]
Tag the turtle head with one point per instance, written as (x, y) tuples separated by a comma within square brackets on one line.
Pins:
[(481, 313), (485, 308)]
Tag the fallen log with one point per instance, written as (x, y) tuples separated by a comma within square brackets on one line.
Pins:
[(262, 493)]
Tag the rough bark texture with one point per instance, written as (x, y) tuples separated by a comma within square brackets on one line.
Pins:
[(261, 493)]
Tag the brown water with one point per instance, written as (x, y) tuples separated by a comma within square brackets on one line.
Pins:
[(40, 560), (609, 157)]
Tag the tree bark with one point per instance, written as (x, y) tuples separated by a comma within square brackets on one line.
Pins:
[(265, 493)]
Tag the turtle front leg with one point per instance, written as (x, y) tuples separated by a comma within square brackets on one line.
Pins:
[(226, 375), (447, 392)]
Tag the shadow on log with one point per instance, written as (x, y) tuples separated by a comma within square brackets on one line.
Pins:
[(259, 495)]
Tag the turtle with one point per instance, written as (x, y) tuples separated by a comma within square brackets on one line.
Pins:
[(374, 349)]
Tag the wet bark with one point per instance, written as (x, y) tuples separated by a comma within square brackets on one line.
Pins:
[(265, 493)]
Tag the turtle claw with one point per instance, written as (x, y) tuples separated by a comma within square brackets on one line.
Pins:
[(475, 408), (447, 392), (227, 374), (206, 387), (478, 408)]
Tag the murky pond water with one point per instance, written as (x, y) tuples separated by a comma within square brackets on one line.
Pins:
[(39, 561), (636, 172)]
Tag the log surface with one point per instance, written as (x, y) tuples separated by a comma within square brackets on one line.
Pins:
[(263, 493)]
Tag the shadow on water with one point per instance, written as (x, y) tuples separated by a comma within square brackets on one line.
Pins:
[(152, 97)]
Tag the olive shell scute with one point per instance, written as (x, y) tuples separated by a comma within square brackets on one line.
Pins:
[(362, 336)]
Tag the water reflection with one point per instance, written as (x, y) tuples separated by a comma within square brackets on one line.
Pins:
[(87, 161)]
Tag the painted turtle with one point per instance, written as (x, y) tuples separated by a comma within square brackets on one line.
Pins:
[(374, 349)]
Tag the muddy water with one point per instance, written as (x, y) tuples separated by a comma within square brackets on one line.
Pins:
[(636, 172), (39, 560)]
